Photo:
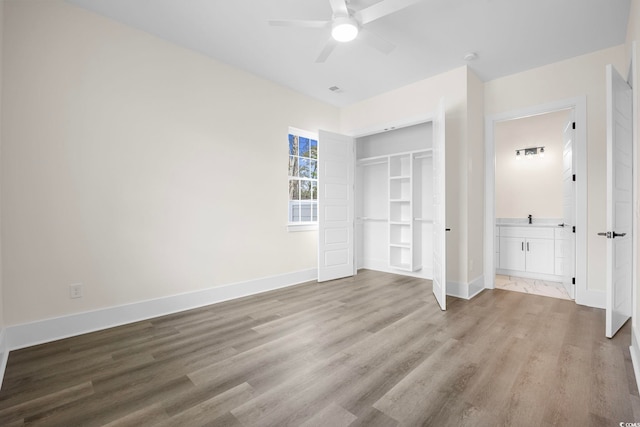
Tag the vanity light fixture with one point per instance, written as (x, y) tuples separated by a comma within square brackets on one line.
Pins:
[(529, 152)]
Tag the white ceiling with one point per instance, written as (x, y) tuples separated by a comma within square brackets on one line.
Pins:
[(430, 37)]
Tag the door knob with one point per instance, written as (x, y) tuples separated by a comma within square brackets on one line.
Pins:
[(612, 235)]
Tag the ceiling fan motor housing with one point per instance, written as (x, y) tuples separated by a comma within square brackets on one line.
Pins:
[(344, 28)]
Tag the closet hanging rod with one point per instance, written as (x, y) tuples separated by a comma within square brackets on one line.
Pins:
[(423, 156), (383, 162)]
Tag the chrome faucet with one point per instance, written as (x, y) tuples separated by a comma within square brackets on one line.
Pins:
[(530, 219)]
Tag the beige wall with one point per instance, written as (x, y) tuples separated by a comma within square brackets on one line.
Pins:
[(475, 176), (583, 75), (533, 185), (136, 167)]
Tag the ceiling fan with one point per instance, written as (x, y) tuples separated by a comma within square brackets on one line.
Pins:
[(346, 24)]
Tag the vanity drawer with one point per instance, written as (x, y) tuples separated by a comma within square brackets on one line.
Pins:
[(526, 232)]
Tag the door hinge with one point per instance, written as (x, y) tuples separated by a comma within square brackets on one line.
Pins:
[(574, 125), (573, 229), (573, 280), (574, 177)]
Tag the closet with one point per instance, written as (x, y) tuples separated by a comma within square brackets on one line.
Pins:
[(394, 201), (381, 202)]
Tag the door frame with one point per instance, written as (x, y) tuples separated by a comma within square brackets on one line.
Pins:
[(579, 105), (634, 82)]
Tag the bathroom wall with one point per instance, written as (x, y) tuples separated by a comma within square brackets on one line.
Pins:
[(530, 185)]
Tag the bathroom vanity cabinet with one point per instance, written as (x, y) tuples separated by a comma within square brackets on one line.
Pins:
[(528, 251)]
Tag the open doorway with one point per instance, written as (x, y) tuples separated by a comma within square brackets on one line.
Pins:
[(533, 188), (537, 245)]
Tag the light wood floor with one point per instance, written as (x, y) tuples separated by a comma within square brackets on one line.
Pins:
[(373, 350)]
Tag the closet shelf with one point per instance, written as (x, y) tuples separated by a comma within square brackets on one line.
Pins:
[(372, 162), (366, 218), (384, 158)]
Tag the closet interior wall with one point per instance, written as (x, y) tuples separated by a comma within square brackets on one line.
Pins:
[(394, 201)]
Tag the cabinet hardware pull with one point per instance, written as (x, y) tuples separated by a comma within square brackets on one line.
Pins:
[(614, 235), (604, 234), (527, 246), (522, 246)]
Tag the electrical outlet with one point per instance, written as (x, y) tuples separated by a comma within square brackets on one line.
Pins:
[(75, 291)]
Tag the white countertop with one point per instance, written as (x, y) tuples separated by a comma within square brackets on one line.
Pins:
[(524, 222)]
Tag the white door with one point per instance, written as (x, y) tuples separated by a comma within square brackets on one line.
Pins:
[(619, 202), (568, 240), (439, 211), (335, 206)]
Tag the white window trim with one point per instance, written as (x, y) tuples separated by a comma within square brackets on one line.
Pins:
[(302, 226)]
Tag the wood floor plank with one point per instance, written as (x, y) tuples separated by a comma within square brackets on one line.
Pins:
[(417, 397), (49, 401), (568, 390), (332, 415), (370, 350), (149, 416), (218, 407)]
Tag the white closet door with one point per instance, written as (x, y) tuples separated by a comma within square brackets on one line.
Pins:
[(619, 202), (336, 206), (439, 217)]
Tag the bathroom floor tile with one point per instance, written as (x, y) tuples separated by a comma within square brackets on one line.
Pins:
[(532, 286)]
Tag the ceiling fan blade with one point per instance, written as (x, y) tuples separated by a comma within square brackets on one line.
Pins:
[(339, 7), (383, 8), (326, 50), (299, 23), (376, 42)]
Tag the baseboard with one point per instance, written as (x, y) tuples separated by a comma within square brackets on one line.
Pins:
[(476, 286), (29, 334), (4, 354), (592, 298), (466, 290), (635, 355)]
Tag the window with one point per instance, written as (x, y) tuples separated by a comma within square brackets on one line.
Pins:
[(303, 178)]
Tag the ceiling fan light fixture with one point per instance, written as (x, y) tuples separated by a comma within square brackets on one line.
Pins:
[(344, 29)]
